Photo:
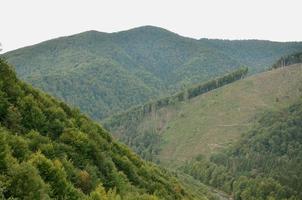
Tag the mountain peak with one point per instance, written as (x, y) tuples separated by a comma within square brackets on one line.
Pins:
[(147, 29)]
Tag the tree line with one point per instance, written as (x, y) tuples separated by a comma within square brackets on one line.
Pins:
[(288, 60), (146, 143)]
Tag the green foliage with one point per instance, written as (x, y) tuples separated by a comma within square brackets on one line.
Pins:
[(288, 60), (264, 164), (25, 183), (104, 74), (51, 151)]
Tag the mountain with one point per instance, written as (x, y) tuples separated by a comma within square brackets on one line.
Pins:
[(264, 164), (106, 73), (51, 151), (209, 122)]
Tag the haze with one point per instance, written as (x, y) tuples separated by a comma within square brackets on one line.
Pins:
[(28, 22)]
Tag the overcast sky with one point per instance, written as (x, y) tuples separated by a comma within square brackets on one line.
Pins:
[(26, 22)]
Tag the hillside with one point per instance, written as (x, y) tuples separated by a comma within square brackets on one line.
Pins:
[(106, 73), (255, 53), (51, 151), (146, 142), (212, 121), (264, 164)]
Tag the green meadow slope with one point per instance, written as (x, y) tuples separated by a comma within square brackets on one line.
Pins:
[(212, 121), (106, 73), (264, 164)]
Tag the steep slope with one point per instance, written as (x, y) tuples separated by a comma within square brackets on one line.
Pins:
[(264, 164), (50, 151), (212, 121), (104, 73)]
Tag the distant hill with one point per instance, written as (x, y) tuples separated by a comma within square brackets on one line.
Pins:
[(106, 73), (51, 151), (209, 122), (257, 54)]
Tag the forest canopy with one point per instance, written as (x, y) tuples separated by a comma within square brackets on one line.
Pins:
[(51, 151)]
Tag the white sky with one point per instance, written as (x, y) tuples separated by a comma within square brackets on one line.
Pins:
[(26, 22)]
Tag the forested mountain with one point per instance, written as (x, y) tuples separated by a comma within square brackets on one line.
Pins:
[(209, 122), (264, 164), (105, 73), (51, 151)]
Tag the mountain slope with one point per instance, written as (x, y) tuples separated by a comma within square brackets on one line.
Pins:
[(264, 164), (212, 121), (105, 73), (50, 151)]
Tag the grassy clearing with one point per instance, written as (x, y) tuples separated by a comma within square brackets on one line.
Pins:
[(213, 121)]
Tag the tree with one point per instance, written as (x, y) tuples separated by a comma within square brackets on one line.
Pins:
[(33, 117), (14, 119), (27, 184)]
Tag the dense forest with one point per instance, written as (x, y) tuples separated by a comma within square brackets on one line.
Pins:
[(106, 73), (264, 164), (51, 151), (147, 144)]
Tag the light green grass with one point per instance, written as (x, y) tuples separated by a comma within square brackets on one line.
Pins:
[(211, 122)]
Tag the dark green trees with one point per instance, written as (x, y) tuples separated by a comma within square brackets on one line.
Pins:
[(288, 60), (51, 151)]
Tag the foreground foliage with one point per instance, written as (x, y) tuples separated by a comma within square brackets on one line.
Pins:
[(50, 151)]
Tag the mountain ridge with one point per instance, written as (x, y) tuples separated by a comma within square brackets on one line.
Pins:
[(148, 62)]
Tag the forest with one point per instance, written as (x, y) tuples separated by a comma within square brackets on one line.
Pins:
[(52, 151)]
